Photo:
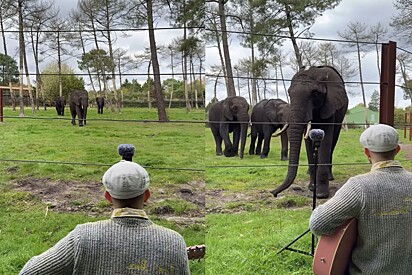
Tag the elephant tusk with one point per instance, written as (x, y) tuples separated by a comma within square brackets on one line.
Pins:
[(309, 126), (281, 131)]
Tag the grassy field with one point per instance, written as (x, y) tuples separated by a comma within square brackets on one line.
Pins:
[(51, 173), (50, 181), (247, 226)]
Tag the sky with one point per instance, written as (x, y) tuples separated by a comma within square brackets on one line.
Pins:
[(325, 27)]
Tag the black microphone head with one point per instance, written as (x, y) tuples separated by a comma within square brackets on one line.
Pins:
[(316, 134), (126, 151)]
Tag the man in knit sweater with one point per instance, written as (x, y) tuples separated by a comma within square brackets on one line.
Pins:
[(128, 243), (381, 201)]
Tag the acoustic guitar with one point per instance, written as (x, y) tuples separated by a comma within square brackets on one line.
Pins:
[(196, 252), (333, 252)]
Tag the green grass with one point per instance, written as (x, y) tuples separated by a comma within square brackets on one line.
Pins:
[(247, 243), (45, 146), (253, 173), (243, 239)]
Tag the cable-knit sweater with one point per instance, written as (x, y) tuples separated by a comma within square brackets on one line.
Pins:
[(128, 243), (381, 200)]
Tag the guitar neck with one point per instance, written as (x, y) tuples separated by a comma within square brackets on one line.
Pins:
[(196, 252)]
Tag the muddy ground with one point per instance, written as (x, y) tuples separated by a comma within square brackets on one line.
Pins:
[(73, 196)]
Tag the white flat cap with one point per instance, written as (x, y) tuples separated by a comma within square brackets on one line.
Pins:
[(126, 180), (380, 138)]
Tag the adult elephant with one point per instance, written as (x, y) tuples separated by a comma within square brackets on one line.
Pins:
[(227, 116), (79, 101), (267, 117), (60, 103), (100, 104), (318, 99)]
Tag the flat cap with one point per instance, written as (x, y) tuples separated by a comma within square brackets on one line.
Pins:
[(380, 138), (126, 180)]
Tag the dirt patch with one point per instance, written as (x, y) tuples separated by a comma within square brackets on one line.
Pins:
[(407, 148), (76, 196)]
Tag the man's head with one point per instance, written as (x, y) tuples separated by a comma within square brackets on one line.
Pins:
[(380, 142), (126, 184)]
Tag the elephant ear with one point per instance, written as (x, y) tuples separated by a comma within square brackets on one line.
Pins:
[(226, 110), (270, 111), (336, 97)]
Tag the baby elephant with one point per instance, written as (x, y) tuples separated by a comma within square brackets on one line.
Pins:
[(100, 104)]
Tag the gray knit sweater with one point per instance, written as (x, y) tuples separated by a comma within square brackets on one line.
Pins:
[(381, 200), (125, 244)]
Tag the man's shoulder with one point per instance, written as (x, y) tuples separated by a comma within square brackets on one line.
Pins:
[(166, 230)]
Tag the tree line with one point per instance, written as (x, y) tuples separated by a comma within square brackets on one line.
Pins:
[(89, 33)]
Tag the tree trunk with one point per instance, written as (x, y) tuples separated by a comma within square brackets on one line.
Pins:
[(21, 56), (161, 111), (109, 42), (228, 74), (293, 39)]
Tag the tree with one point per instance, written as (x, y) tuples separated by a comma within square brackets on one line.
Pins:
[(357, 32), (9, 72), (402, 21), (143, 13), (300, 15), (375, 101), (51, 81)]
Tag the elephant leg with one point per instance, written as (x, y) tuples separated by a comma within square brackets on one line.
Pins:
[(224, 133), (267, 133), (259, 144), (79, 115), (323, 171), (218, 139), (285, 145), (236, 139), (253, 137)]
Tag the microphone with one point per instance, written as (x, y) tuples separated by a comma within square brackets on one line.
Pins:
[(316, 135), (126, 151)]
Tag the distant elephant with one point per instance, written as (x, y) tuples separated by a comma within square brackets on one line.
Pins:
[(267, 117), (60, 103), (100, 104), (79, 101), (227, 116), (317, 98)]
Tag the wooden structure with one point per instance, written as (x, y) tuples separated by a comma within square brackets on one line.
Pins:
[(407, 125), (16, 88), (387, 84)]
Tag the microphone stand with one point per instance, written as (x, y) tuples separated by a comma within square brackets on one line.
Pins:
[(315, 144)]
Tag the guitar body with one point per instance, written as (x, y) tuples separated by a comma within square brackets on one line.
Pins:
[(333, 252)]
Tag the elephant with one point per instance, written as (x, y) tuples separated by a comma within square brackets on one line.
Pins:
[(317, 98), (60, 103), (100, 104), (79, 101), (273, 114), (227, 116)]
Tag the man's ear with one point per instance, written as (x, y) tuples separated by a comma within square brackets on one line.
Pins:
[(108, 197), (146, 195), (367, 153), (398, 149)]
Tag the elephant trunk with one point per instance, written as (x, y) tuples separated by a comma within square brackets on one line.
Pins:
[(295, 133), (243, 136)]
